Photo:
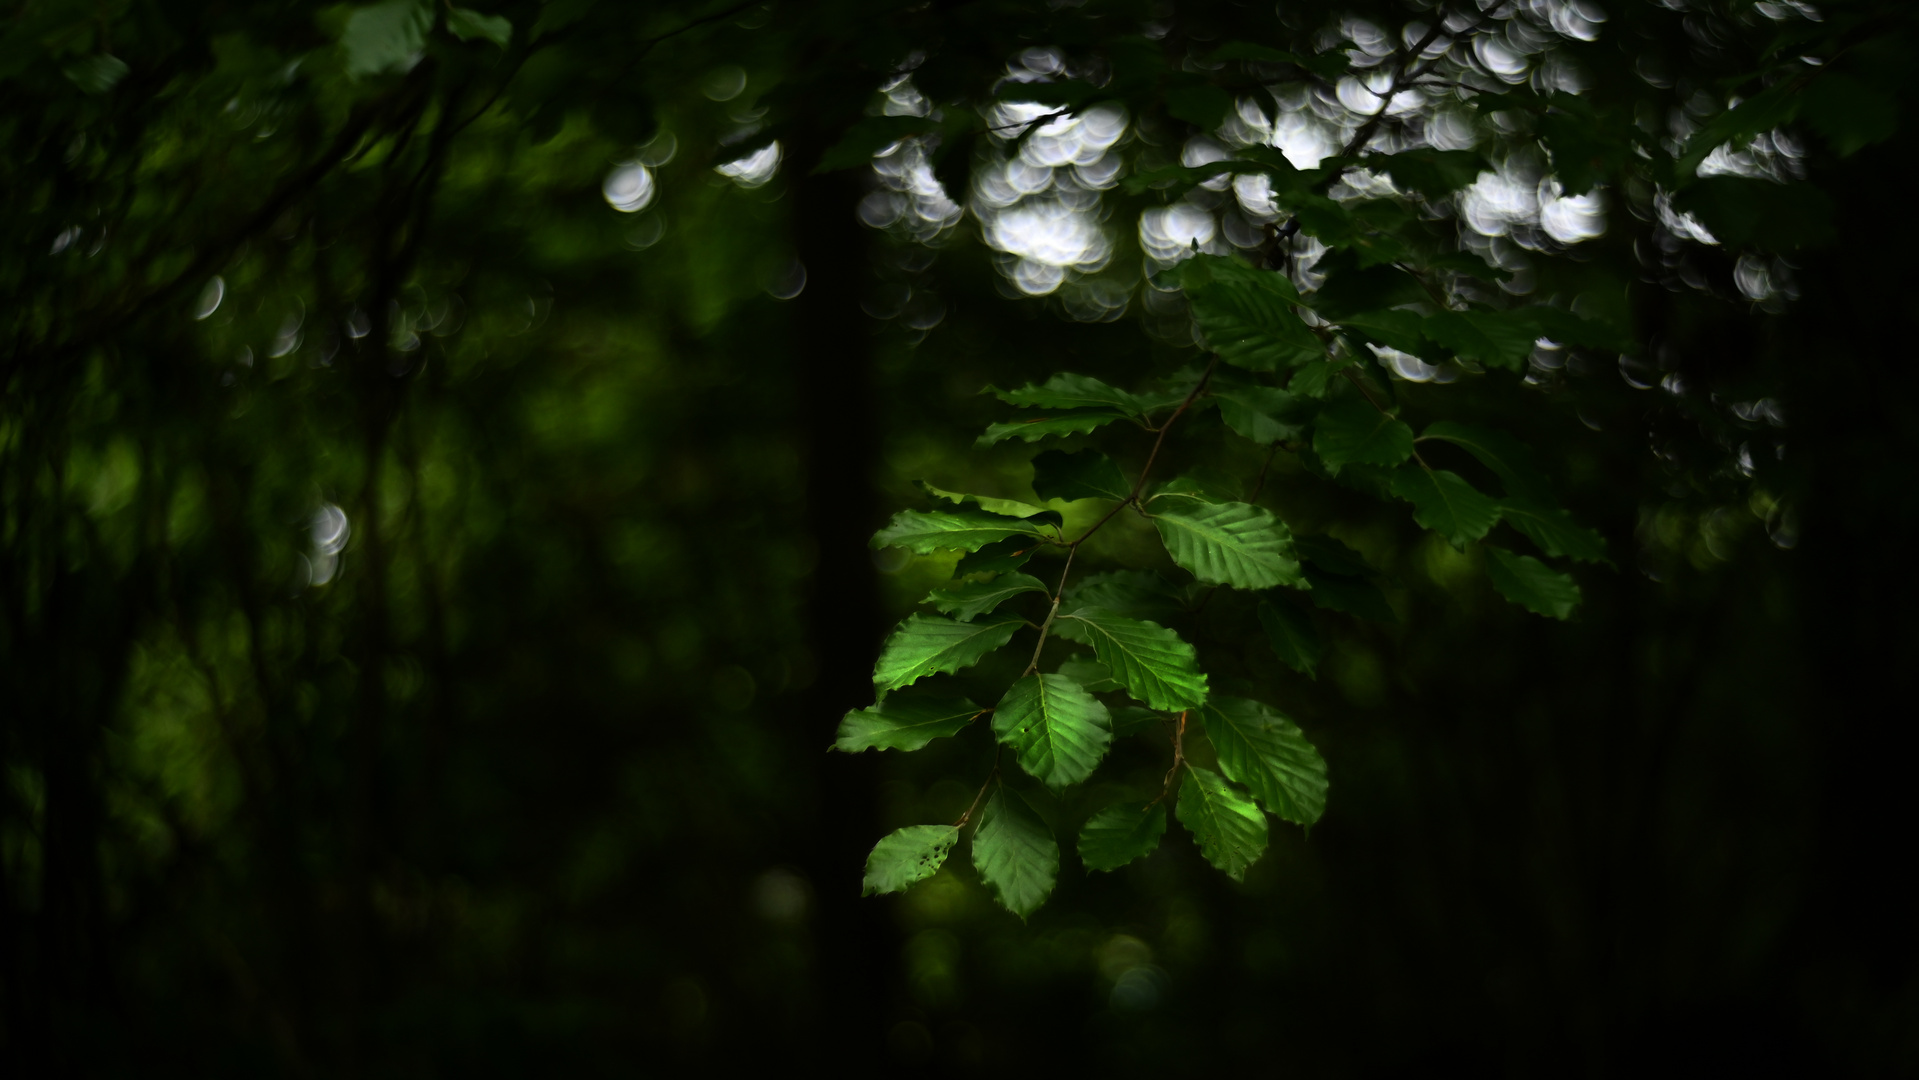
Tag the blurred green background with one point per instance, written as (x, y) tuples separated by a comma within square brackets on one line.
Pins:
[(420, 648)]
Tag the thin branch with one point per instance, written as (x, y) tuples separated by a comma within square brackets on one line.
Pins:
[(990, 777), (1047, 119), (1179, 758)]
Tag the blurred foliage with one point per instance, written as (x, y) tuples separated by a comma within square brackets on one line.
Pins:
[(438, 445)]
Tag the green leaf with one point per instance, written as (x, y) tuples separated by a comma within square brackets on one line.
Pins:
[(1094, 676), (1121, 833), (1259, 413), (1246, 314), (1270, 755), (1015, 854), (1506, 456), (1069, 391), (1445, 503), (907, 857), (1742, 211), (1133, 719), (1229, 543), (972, 598), (1035, 428), (1495, 338), (869, 136), (1394, 329), (925, 531), (1850, 114), (1532, 584), (1136, 594), (1086, 474), (1353, 432), (96, 74), (1332, 556), (929, 645), (1230, 828), (1293, 636), (905, 721), (1155, 665), (1432, 173), (1058, 730), (998, 557), (467, 25), (1762, 112), (1354, 596), (384, 37), (1315, 380), (1012, 508), (1554, 530), (1205, 106)]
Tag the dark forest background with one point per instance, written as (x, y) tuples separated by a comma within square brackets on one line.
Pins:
[(423, 661)]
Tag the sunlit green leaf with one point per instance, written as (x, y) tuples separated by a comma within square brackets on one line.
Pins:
[(1554, 530), (1270, 755), (1058, 730), (1015, 854), (925, 531), (1070, 391), (1228, 825), (1034, 426), (906, 857), (1013, 508), (968, 599), (1154, 664), (1085, 474), (906, 720), (1532, 584), (1229, 543), (1445, 503), (1120, 834), (1293, 636), (929, 645), (1354, 432)]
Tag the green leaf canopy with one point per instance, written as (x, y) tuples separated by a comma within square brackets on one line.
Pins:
[(1015, 854), (1048, 424), (1554, 530), (928, 645), (1270, 755), (1506, 456), (1056, 729), (907, 857), (1229, 543)]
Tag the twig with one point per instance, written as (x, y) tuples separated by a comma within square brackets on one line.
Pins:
[(1047, 119), (1179, 758), (990, 777)]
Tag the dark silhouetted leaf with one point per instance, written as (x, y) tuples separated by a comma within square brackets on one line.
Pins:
[(1532, 584), (1293, 636), (1085, 474), (1121, 833), (1445, 503), (1354, 432)]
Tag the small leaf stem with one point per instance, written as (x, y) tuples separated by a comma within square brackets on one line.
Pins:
[(1179, 758)]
